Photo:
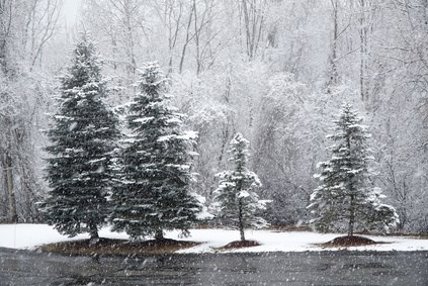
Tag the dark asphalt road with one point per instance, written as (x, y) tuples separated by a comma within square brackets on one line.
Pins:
[(309, 268)]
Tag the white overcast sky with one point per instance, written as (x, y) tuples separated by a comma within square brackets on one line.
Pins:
[(70, 11)]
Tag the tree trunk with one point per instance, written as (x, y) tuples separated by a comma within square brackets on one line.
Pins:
[(333, 76), (241, 222), (5, 8), (363, 31), (132, 66), (224, 139), (226, 126), (159, 235), (93, 232), (351, 190), (351, 217), (10, 191), (186, 42)]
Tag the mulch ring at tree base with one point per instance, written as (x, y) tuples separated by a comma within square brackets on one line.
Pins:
[(239, 244), (349, 241), (117, 247)]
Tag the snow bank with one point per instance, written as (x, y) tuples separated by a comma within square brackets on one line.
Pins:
[(272, 241), (29, 236)]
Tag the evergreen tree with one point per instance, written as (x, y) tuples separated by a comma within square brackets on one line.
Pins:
[(235, 197), (153, 194), (346, 194), (83, 139)]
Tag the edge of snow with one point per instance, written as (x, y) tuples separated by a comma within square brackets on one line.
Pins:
[(30, 236)]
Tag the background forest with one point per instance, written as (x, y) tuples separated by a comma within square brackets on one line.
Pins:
[(275, 70)]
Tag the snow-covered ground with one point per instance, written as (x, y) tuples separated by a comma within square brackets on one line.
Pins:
[(29, 236)]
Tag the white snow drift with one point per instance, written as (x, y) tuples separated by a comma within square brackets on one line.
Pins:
[(29, 236)]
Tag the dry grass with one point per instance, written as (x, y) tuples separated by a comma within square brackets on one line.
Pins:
[(116, 247)]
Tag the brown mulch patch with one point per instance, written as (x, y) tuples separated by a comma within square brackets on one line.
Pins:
[(117, 247), (240, 244), (347, 241)]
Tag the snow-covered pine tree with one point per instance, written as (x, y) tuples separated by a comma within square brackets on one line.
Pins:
[(83, 138), (156, 165), (236, 199), (346, 194)]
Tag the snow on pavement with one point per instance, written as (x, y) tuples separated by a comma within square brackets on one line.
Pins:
[(29, 236)]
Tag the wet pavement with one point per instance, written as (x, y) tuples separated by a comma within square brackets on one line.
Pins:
[(307, 268)]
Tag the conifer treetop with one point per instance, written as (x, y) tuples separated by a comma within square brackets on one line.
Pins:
[(239, 149), (85, 67), (151, 75), (349, 123)]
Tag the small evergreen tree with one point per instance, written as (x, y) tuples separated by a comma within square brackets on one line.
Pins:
[(153, 194), (83, 136), (235, 197), (346, 194)]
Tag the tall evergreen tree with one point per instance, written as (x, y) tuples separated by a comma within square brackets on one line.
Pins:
[(83, 139), (153, 194), (346, 194), (235, 197)]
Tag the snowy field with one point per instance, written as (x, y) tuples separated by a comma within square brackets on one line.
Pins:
[(29, 236)]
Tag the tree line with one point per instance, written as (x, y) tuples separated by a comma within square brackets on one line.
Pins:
[(138, 178), (275, 71)]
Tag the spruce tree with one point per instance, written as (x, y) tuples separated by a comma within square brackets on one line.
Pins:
[(346, 194), (236, 199), (154, 192), (83, 139)]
